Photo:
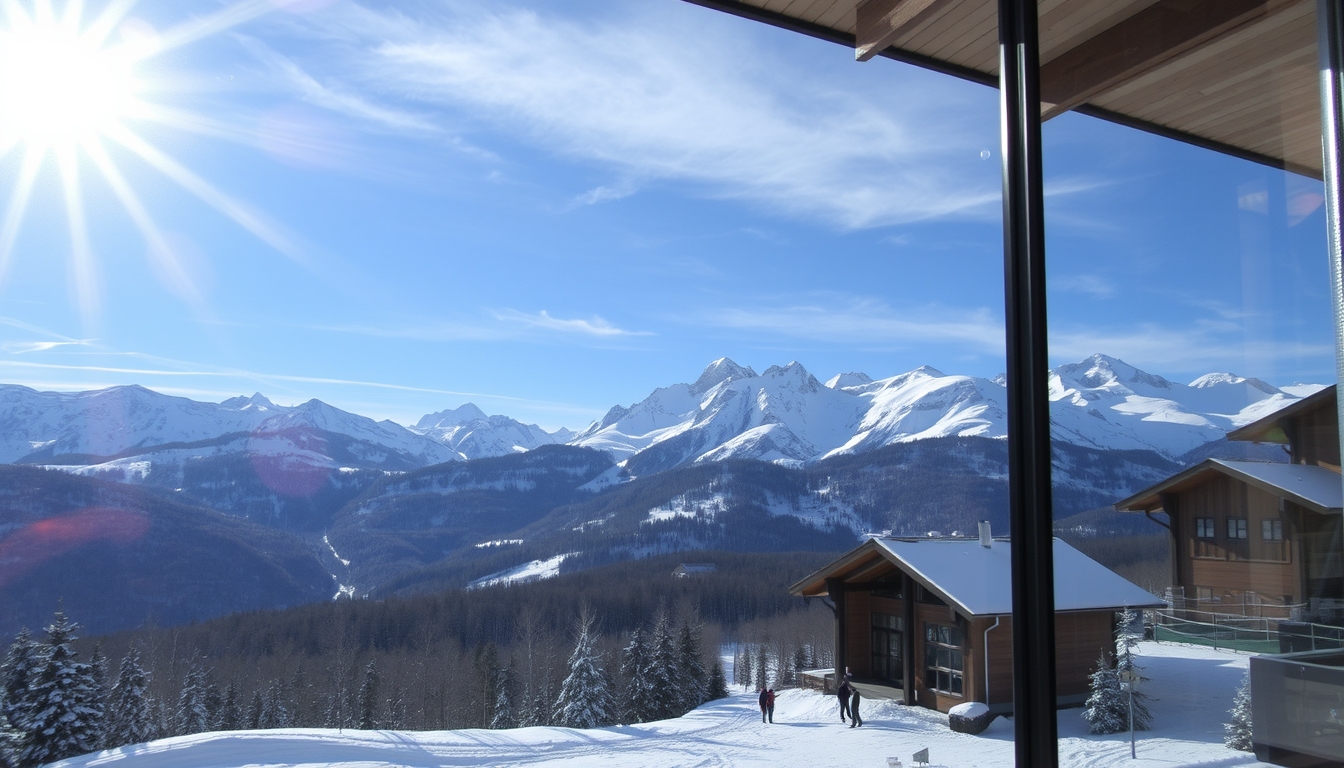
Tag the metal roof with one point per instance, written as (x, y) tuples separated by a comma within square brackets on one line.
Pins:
[(1238, 76), (976, 579), (1307, 485)]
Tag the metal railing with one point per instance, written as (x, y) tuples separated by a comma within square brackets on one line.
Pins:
[(1245, 634)]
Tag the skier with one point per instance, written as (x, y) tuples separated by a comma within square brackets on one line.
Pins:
[(842, 693), (855, 720)]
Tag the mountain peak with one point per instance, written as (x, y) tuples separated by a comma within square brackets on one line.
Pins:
[(257, 402), (851, 379), (1217, 379), (463, 414), (794, 371), (1099, 370), (719, 371)]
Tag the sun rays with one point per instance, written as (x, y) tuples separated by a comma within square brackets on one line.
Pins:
[(72, 86)]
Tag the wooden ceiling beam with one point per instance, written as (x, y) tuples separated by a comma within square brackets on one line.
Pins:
[(1139, 44), (880, 22)]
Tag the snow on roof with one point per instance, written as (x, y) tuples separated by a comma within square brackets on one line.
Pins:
[(978, 579), (1316, 485)]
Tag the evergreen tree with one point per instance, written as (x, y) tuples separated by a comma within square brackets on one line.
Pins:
[(662, 672), (762, 669), (17, 673), (368, 698), (213, 699), (1107, 707), (230, 714), (1238, 734), (275, 712), (639, 690), (692, 681), (10, 742), (65, 717), (191, 715), (127, 720), (506, 705), (583, 698), (487, 671), (718, 684), (1126, 659), (98, 677), (256, 711)]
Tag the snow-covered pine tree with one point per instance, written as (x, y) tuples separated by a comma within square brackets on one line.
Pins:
[(230, 716), (692, 681), (1238, 734), (213, 699), (17, 672), (275, 712), (718, 684), (10, 740), (662, 672), (191, 716), (1107, 707), (506, 700), (98, 677), (127, 719), (1126, 659), (65, 717), (368, 698), (584, 695), (256, 711), (762, 668), (639, 691)]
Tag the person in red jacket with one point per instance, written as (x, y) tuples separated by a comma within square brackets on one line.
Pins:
[(770, 704)]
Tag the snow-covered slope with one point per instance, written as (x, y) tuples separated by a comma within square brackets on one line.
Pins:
[(473, 435), (784, 415)]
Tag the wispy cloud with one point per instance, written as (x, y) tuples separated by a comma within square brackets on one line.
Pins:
[(667, 96), (866, 321), (25, 347), (594, 326), (1091, 285)]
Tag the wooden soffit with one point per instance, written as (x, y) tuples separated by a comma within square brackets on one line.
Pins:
[(1237, 76)]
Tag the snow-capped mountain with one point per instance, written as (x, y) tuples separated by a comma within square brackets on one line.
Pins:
[(118, 420), (473, 435), (785, 415)]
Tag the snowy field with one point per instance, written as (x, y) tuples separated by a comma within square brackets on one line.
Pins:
[(1191, 690)]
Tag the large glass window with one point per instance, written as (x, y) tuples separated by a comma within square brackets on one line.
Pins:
[(887, 644), (943, 658)]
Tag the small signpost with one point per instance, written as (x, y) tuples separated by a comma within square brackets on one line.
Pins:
[(1128, 679), (921, 757)]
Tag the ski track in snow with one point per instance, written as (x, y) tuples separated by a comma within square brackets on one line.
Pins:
[(1190, 688)]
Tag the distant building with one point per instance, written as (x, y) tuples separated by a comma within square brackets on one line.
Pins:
[(686, 570), (929, 621), (1258, 537)]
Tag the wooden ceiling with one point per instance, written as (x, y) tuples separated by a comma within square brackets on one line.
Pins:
[(1238, 76)]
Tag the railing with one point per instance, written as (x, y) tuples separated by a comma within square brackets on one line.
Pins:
[(1246, 634)]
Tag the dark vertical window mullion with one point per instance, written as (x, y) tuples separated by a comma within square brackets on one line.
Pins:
[(1030, 505)]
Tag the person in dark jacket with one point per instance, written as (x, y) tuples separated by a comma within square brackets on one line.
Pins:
[(842, 693), (762, 699), (855, 720)]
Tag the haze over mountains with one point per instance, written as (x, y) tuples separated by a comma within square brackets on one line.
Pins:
[(735, 460)]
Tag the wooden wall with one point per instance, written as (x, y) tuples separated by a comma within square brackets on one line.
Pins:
[(1315, 435)]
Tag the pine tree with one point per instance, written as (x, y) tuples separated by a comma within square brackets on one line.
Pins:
[(718, 684), (639, 690), (368, 698), (506, 705), (487, 671), (1126, 655), (1107, 707), (662, 672), (98, 678), (64, 720), (582, 702), (17, 672), (230, 715), (10, 741), (692, 681), (191, 715), (256, 711), (127, 720), (1238, 734), (762, 668)]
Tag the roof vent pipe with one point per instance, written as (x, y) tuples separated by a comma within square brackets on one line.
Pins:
[(985, 540)]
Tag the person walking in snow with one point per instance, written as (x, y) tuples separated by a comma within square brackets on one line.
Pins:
[(842, 693), (854, 718), (762, 701), (770, 704)]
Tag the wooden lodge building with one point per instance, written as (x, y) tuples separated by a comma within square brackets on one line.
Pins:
[(928, 621), (1256, 537)]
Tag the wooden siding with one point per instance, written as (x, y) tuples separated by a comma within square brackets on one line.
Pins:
[(859, 623), (1315, 435), (1231, 567)]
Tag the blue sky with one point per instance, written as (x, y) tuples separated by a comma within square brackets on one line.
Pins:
[(551, 208)]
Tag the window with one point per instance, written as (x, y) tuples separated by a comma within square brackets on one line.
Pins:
[(1204, 528), (1271, 530), (887, 636), (943, 658), (1236, 527)]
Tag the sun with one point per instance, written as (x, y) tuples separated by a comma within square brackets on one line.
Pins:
[(62, 86)]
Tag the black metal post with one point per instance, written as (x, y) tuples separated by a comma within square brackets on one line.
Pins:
[(1330, 41), (1030, 505)]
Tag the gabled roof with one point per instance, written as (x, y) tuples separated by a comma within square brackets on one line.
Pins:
[(976, 579), (1315, 488), (1267, 429)]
